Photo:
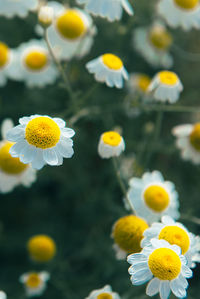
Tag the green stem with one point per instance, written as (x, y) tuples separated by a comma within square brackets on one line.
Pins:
[(168, 108)]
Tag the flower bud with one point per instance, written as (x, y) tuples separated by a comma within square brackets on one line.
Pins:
[(45, 16)]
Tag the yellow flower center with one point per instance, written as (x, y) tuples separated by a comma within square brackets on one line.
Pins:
[(164, 264), (195, 137), (168, 78), (4, 54), (36, 60), (104, 296), (70, 25), (156, 198), (42, 132), (176, 235), (112, 138), (8, 164), (144, 82), (128, 233), (113, 62), (41, 248), (160, 38), (33, 280), (187, 4)]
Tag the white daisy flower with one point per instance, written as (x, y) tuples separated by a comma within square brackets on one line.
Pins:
[(41, 140), (153, 43), (12, 171), (164, 266), (104, 293), (111, 144), (20, 8), (188, 141), (138, 83), (110, 9), (108, 68), (33, 65), (166, 87), (152, 197), (184, 13), (6, 59), (35, 283), (174, 233)]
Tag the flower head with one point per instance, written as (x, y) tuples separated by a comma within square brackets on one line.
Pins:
[(111, 144), (104, 293), (41, 248), (34, 283)]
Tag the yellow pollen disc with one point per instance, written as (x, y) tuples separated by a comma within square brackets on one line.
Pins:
[(33, 280), (70, 25), (42, 132), (168, 78), (41, 248), (128, 233), (8, 164), (187, 4), (176, 236), (113, 62), (144, 82), (195, 137), (112, 138), (156, 198), (160, 39), (104, 296), (36, 60), (4, 54)]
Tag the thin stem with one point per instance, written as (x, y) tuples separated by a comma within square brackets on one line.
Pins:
[(186, 55), (190, 218), (167, 108)]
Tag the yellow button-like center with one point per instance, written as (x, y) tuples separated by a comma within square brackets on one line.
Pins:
[(176, 236), (41, 248), (160, 39), (156, 198), (164, 264), (42, 132), (113, 62), (128, 233), (8, 164), (104, 296), (143, 82), (70, 25), (33, 280), (4, 54), (187, 4), (195, 137), (168, 78), (36, 60), (112, 138)]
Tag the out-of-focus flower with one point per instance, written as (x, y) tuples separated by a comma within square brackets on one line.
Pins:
[(166, 87), (34, 283), (104, 293), (12, 171), (3, 295), (20, 8), (32, 64), (6, 58), (164, 266), (41, 248), (176, 234), (138, 83), (152, 197), (45, 15), (110, 9), (188, 141), (184, 13), (108, 68), (127, 233), (41, 140), (111, 144), (153, 43)]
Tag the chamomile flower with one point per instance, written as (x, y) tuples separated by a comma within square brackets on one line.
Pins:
[(3, 295), (41, 140), (12, 171), (20, 8), (153, 43), (166, 87), (188, 141), (6, 58), (184, 13), (32, 64), (41, 248), (138, 83), (174, 233), (34, 283), (111, 144), (104, 293), (111, 9), (108, 68), (152, 197), (127, 233), (164, 266)]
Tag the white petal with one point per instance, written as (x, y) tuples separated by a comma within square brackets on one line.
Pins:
[(50, 156), (6, 126), (186, 272), (15, 133), (136, 258), (164, 289), (24, 120), (38, 162), (141, 276), (16, 149), (153, 287), (67, 132), (28, 153), (177, 288), (65, 148), (60, 122)]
